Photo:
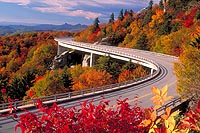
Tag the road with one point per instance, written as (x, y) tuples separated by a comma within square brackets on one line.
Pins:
[(142, 91)]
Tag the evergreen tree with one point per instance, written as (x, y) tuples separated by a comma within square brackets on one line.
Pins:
[(172, 3), (111, 20), (18, 50), (161, 4), (142, 42), (121, 15), (66, 78), (129, 66), (147, 17), (105, 63), (165, 28), (18, 88), (150, 5), (96, 24)]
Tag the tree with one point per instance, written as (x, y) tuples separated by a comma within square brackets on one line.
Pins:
[(107, 64), (125, 75), (96, 24), (66, 78), (172, 3), (91, 79), (129, 66), (161, 4), (112, 19), (51, 83), (121, 15), (187, 71), (147, 18), (165, 28), (150, 5), (197, 16), (17, 88), (142, 42)]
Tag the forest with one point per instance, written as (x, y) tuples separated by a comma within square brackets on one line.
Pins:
[(170, 27)]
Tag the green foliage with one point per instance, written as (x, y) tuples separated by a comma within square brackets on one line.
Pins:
[(165, 28), (172, 3), (17, 88), (129, 66), (142, 42), (54, 82), (197, 16), (96, 24), (105, 63), (161, 4), (150, 4), (121, 15), (66, 78), (147, 18), (112, 18)]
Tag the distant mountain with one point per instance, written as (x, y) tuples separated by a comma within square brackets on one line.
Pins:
[(11, 29)]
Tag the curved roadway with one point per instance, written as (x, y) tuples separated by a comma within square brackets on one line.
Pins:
[(142, 91)]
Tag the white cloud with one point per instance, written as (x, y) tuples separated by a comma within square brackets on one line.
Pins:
[(19, 2), (88, 15), (72, 7)]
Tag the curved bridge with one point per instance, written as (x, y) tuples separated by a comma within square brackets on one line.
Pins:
[(161, 68), (161, 75)]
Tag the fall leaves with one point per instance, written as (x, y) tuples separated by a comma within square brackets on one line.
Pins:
[(100, 117), (92, 79), (160, 96), (167, 122)]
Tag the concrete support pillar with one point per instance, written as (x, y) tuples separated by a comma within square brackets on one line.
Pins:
[(58, 51), (91, 59), (151, 71)]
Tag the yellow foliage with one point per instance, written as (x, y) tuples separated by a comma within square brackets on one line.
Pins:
[(160, 96)]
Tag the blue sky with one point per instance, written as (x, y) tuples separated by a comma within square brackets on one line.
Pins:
[(65, 11)]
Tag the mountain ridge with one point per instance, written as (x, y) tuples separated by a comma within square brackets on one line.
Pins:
[(19, 28)]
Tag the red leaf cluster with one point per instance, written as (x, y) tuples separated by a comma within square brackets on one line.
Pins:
[(188, 19), (88, 118), (3, 90)]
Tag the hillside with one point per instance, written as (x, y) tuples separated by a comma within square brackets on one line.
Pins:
[(13, 29), (162, 28)]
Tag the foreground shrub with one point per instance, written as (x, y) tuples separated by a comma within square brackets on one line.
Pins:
[(89, 118)]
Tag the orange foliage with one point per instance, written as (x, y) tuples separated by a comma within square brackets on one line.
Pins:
[(91, 79), (131, 75), (157, 18), (116, 25), (125, 76)]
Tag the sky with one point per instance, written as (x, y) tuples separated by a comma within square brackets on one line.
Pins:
[(65, 11)]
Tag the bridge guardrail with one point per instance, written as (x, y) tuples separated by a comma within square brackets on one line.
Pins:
[(171, 104)]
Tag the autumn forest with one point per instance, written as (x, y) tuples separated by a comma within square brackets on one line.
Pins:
[(26, 58), (170, 27)]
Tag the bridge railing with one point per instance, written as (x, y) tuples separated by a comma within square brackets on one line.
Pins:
[(173, 103)]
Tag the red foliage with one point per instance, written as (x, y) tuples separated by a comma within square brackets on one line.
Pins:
[(3, 90), (88, 118), (188, 20), (192, 119), (38, 78)]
